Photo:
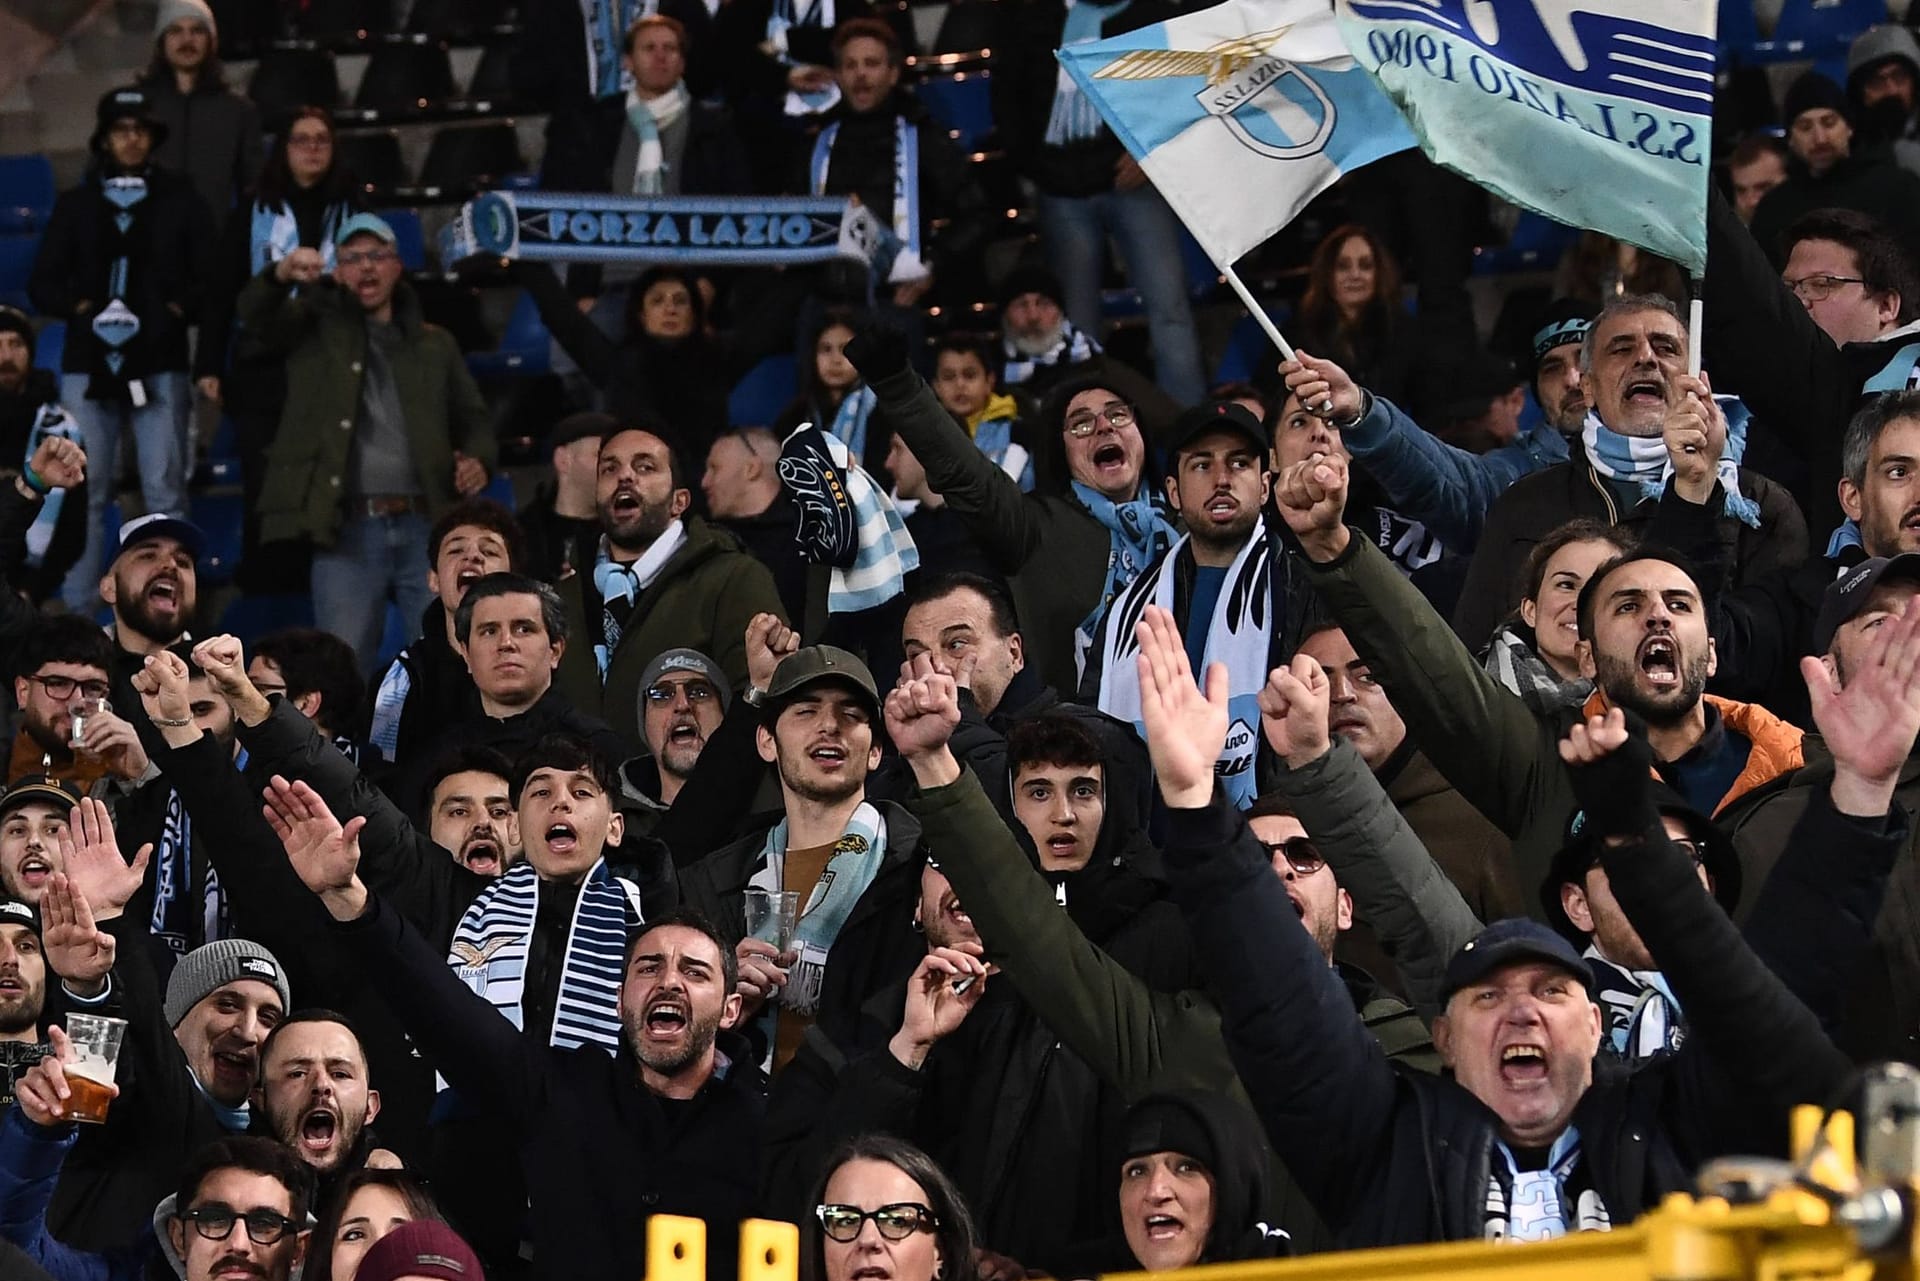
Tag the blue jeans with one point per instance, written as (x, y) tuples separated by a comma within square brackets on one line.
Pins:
[(1075, 230), (377, 558), (160, 430)]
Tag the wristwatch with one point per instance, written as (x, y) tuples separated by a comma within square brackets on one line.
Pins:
[(754, 696)]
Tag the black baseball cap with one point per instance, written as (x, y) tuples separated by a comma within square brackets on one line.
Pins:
[(1847, 595), (1580, 851), (587, 425), (1504, 942), (1216, 415), (37, 787), (14, 912)]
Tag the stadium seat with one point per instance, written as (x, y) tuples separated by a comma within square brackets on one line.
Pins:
[(219, 516), (1817, 28), (1535, 245), (525, 348), (16, 266), (373, 159), (410, 238), (492, 81), (406, 75), (26, 193), (1249, 348), (464, 159), (247, 27), (763, 392), (49, 345), (960, 102), (293, 74), (966, 28), (459, 21), (341, 24)]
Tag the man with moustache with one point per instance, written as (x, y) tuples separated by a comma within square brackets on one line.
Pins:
[(63, 663), (1632, 361), (652, 1122), (683, 698), (663, 580), (316, 1097), (470, 810)]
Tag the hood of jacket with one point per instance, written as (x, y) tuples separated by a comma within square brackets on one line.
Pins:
[(1238, 1162), (1877, 44)]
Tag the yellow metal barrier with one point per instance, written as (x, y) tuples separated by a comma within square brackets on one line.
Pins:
[(1822, 1219)]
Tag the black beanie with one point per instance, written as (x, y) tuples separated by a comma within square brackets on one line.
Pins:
[(1164, 1123), (15, 321), (1032, 279), (1811, 92)]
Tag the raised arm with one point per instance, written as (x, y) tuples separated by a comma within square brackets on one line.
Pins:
[(1134, 1039), (472, 1044), (1442, 485), (35, 1138), (1419, 915), (1444, 695), (988, 499), (1322, 1087)]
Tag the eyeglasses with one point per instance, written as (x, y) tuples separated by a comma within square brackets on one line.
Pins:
[(696, 692), (1819, 288), (360, 257), (1693, 850), (1301, 854), (896, 1222), (308, 141), (215, 1223), (1118, 417), (61, 688)]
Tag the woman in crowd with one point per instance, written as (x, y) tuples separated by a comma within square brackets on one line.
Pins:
[(1352, 312), (830, 395), (1596, 269), (885, 1204), (300, 198), (666, 369), (1533, 653), (367, 1206)]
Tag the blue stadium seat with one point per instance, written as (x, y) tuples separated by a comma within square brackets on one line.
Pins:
[(763, 392), (1249, 348), (219, 515), (1817, 28), (1535, 245), (525, 348), (26, 193), (251, 617), (16, 266), (1202, 276), (962, 103), (410, 237), (50, 345), (500, 490), (394, 638)]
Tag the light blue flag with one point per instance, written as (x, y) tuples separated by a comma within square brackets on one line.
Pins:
[(1595, 113), (1240, 114)]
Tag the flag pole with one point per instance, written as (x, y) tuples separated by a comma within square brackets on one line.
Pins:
[(1265, 322), (1696, 321)]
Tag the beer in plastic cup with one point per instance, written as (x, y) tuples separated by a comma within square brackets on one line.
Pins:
[(96, 1052)]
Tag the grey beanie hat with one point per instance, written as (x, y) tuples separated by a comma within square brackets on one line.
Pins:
[(205, 969), (172, 11)]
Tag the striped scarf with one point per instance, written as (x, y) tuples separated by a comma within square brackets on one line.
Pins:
[(1538, 1205), (992, 431), (1072, 347), (495, 937), (846, 521), (275, 233), (1074, 118), (647, 117), (1643, 460)]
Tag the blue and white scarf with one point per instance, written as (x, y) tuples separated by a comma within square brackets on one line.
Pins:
[(994, 437), (1138, 534), (856, 859), (1074, 118), (838, 503), (897, 260), (606, 23), (620, 587), (819, 14), (276, 233), (1240, 634), (51, 420), (1642, 1015), (495, 937), (1531, 1205), (116, 325), (1072, 348), (648, 116), (177, 919), (1643, 460), (850, 420)]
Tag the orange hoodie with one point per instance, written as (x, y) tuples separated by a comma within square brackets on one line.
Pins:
[(1777, 745)]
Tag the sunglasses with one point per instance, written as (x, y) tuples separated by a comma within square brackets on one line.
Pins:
[(896, 1222), (1301, 854)]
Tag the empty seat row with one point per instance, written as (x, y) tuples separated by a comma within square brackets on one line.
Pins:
[(248, 28), (460, 160), (406, 76)]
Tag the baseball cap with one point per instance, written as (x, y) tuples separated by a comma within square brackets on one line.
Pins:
[(819, 664), (582, 426), (36, 787), (1579, 852), (365, 224), (160, 525), (684, 660), (14, 912), (1847, 595), (1216, 415), (1504, 942), (422, 1248)]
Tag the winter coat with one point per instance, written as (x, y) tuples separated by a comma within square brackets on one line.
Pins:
[(323, 333), (426, 688), (213, 137)]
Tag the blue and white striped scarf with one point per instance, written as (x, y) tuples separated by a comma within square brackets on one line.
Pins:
[(495, 937), (1074, 118), (607, 23), (784, 17), (1644, 461), (839, 503), (1539, 1205), (1138, 534), (1074, 346), (276, 233), (856, 859), (901, 259), (850, 420)]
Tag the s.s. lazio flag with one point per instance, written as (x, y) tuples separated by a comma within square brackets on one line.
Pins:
[(1595, 113), (1240, 114)]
